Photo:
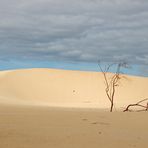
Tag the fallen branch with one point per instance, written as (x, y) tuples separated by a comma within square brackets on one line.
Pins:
[(138, 104)]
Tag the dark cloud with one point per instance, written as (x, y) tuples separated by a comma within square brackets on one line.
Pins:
[(80, 30)]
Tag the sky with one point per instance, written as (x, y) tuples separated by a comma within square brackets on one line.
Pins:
[(74, 34)]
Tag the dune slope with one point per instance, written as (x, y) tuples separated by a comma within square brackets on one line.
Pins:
[(66, 88)]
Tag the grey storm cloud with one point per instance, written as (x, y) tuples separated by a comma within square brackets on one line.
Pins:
[(80, 30)]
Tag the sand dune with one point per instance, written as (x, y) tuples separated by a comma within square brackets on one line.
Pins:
[(53, 87), (27, 121)]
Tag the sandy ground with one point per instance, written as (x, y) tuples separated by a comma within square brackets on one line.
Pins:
[(36, 127), (47, 108)]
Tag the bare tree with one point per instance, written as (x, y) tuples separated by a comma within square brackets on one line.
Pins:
[(112, 81), (138, 104)]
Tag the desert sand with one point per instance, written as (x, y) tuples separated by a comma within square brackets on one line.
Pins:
[(69, 109)]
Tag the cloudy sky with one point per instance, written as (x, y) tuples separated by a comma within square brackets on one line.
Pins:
[(73, 34)]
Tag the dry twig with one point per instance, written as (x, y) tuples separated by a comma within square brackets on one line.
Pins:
[(138, 104)]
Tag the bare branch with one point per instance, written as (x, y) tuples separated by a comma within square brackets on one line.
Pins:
[(111, 82), (142, 100), (138, 104)]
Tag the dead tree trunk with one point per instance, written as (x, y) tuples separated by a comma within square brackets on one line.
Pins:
[(111, 107)]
